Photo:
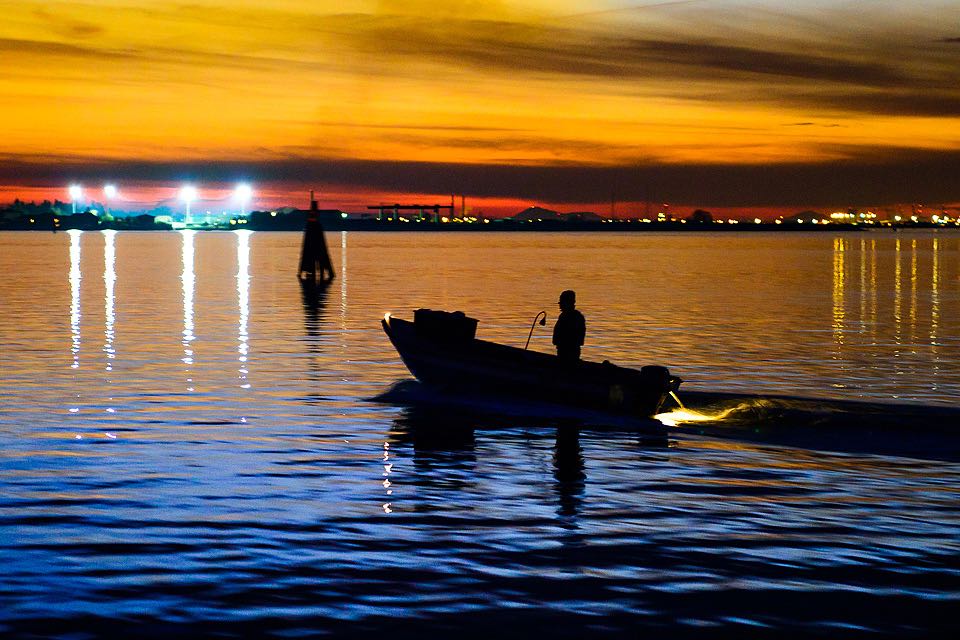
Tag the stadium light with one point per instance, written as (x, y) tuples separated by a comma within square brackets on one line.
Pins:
[(188, 193), (109, 191), (244, 193), (76, 192)]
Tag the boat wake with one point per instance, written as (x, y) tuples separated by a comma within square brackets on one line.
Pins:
[(876, 428), (883, 428)]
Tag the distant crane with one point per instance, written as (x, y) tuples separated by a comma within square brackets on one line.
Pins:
[(395, 209)]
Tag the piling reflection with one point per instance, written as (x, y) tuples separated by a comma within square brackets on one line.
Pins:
[(314, 300)]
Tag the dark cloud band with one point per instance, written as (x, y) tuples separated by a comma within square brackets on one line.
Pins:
[(880, 176)]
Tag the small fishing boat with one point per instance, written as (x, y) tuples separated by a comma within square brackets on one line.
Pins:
[(441, 350)]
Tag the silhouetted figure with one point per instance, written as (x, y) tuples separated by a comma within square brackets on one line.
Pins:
[(571, 328)]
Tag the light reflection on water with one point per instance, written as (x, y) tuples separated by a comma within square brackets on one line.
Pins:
[(229, 469), (75, 277), (189, 282), (243, 302)]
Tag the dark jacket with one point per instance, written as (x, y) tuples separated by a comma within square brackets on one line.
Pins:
[(569, 332)]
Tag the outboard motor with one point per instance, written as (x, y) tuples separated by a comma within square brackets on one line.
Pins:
[(659, 381)]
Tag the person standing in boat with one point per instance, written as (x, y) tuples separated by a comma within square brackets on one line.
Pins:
[(571, 328)]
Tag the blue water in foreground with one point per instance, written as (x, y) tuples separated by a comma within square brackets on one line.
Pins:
[(189, 445)]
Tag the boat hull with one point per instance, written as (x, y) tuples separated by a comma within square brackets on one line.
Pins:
[(478, 366)]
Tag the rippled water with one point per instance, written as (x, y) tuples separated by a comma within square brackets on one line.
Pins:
[(187, 442)]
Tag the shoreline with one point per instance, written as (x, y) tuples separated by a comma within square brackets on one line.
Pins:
[(498, 227)]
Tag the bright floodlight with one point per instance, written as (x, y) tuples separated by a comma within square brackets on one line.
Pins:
[(243, 192), (76, 192), (188, 193), (110, 191)]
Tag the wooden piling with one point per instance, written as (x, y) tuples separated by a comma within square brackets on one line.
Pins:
[(315, 266)]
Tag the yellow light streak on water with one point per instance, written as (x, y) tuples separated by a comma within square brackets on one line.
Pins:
[(681, 416)]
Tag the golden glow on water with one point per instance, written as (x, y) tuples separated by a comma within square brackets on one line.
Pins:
[(864, 292), (913, 291), (839, 286), (935, 312), (343, 280), (935, 293), (205, 310), (874, 291), (897, 298)]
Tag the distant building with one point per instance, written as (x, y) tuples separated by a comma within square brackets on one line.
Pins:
[(804, 216), (85, 221), (700, 217), (536, 214)]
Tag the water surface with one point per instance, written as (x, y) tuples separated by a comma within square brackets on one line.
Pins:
[(186, 441)]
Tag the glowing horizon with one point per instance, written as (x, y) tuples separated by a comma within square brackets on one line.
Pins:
[(715, 103)]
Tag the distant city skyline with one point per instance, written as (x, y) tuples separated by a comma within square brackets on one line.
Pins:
[(751, 106)]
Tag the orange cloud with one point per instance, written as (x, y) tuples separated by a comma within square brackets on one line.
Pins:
[(594, 84)]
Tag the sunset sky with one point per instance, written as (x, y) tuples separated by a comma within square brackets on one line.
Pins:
[(752, 104)]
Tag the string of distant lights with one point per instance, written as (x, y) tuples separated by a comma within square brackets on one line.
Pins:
[(188, 193), (243, 194)]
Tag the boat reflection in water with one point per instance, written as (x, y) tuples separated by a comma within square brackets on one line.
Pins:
[(569, 470), (454, 447), (446, 442), (439, 439)]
